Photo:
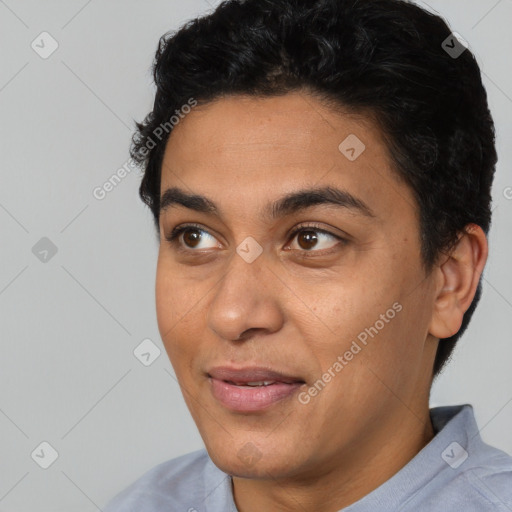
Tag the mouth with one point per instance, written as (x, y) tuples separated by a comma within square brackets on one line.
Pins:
[(251, 389)]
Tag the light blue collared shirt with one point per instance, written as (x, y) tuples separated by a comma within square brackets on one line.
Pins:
[(455, 472)]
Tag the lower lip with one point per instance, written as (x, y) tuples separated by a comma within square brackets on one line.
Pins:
[(247, 398)]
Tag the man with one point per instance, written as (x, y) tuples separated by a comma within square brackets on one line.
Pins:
[(319, 174)]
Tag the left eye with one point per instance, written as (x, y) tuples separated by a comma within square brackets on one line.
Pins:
[(310, 238)]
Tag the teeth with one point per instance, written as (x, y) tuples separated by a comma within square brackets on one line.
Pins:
[(258, 383)]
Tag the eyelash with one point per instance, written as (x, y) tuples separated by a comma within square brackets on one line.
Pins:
[(176, 232)]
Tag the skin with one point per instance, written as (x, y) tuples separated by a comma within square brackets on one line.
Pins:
[(297, 314)]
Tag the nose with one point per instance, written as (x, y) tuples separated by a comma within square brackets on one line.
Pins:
[(247, 300)]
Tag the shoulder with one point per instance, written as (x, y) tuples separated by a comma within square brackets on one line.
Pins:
[(179, 482), (457, 470), (482, 483), (491, 479)]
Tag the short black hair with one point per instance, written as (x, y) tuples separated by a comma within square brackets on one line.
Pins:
[(387, 58)]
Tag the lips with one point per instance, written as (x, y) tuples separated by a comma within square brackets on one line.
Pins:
[(251, 389), (252, 374)]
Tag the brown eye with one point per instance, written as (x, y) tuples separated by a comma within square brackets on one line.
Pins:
[(307, 239), (191, 237), (313, 239), (194, 237)]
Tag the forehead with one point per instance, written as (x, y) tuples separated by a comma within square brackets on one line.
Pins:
[(270, 146), (295, 126)]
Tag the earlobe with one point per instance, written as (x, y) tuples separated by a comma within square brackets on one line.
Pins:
[(458, 276)]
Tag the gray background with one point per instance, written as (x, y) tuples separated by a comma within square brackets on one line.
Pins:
[(69, 325)]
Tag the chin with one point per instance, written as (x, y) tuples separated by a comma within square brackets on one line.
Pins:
[(247, 458)]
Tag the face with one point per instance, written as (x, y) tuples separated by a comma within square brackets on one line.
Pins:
[(324, 296)]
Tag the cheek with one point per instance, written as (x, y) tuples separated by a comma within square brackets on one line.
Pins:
[(345, 306), (179, 334), (360, 315), (174, 309), (176, 296), (166, 304)]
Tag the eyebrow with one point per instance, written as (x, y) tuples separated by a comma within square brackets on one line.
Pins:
[(287, 205)]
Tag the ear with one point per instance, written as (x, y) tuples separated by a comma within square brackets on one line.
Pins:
[(457, 279)]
